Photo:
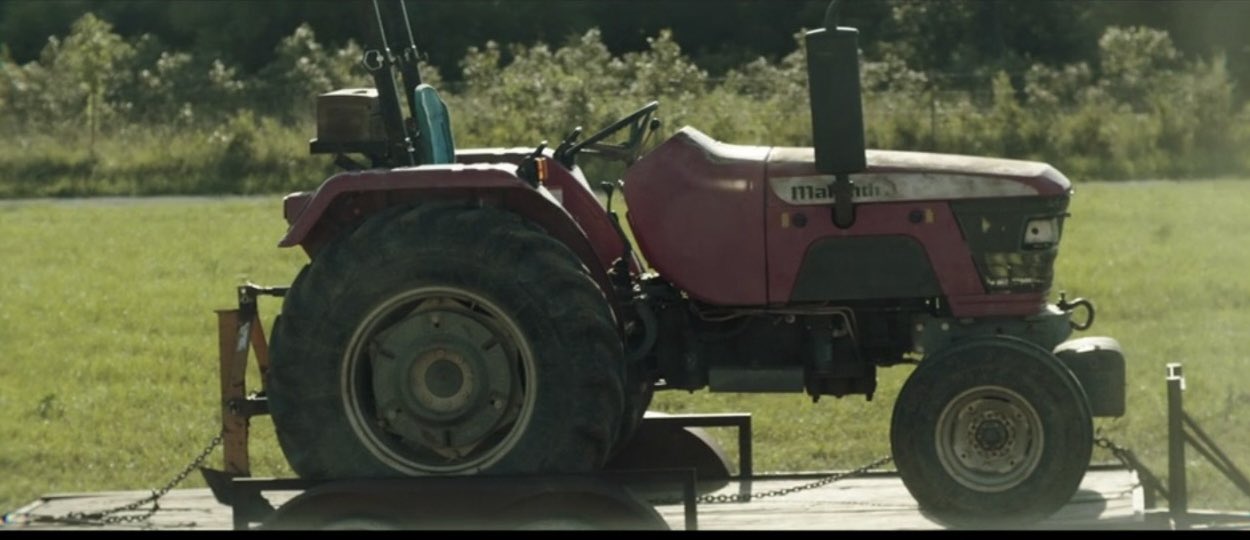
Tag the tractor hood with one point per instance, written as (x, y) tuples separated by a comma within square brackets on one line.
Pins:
[(698, 206), (901, 176), (791, 175)]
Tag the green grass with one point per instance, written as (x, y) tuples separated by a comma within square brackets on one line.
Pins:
[(108, 370), (108, 374), (244, 155)]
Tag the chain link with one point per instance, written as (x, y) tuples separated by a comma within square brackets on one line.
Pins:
[(1125, 456), (1108, 444), (1122, 454), (118, 515), (1129, 460), (747, 497)]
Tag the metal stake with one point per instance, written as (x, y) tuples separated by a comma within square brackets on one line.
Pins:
[(1178, 502), (232, 343)]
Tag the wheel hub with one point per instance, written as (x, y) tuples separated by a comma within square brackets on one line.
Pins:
[(989, 439), (991, 435), (442, 380)]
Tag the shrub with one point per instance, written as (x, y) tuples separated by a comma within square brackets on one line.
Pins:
[(177, 122)]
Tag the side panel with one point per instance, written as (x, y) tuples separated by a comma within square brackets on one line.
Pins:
[(697, 211), (865, 268), (876, 225), (795, 226)]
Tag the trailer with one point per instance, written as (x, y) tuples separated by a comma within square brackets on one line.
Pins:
[(673, 475), (1110, 498)]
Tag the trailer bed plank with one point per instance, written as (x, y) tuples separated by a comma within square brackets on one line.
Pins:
[(1108, 498)]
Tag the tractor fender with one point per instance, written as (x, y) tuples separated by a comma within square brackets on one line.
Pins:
[(348, 198)]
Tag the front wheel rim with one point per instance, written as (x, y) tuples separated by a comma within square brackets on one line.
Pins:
[(989, 439), (438, 380)]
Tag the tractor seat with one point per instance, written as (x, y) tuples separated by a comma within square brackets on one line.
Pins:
[(435, 145)]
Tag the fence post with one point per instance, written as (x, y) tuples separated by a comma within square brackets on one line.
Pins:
[(1178, 500)]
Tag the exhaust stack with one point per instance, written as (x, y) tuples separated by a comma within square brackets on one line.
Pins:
[(837, 109)]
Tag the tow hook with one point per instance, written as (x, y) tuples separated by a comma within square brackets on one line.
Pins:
[(1069, 307)]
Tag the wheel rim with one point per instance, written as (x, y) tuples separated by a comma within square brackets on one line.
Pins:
[(989, 439), (438, 380)]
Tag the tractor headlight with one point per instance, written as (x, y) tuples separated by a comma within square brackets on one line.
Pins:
[(1041, 233)]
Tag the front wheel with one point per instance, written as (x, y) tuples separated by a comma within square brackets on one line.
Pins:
[(445, 339), (991, 432)]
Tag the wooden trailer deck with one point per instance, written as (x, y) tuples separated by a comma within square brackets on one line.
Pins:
[(1109, 498)]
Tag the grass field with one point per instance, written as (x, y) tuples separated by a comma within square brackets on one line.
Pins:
[(108, 375)]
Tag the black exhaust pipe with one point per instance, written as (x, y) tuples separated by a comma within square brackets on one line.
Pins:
[(837, 109)]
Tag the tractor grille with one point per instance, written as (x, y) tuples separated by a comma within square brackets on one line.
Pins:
[(1003, 235)]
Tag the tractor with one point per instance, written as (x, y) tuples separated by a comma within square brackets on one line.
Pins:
[(483, 311)]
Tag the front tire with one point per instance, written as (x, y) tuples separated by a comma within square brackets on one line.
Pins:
[(991, 432), (444, 339)]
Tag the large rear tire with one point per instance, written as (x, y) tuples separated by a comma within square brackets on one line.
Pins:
[(444, 339), (991, 432), (638, 395)]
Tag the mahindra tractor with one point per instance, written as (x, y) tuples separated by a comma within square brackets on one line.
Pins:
[(482, 311)]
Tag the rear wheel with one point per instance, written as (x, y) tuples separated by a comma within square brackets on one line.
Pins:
[(444, 339), (639, 382), (991, 432), (638, 395)]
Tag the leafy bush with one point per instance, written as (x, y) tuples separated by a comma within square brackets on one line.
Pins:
[(100, 114), (301, 69), (76, 79)]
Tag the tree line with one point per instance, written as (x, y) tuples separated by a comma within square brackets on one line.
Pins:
[(955, 36), (98, 111)]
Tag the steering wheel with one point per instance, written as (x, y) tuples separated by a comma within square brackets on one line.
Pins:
[(640, 123)]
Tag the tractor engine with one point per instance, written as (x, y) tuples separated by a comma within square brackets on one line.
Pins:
[(818, 350)]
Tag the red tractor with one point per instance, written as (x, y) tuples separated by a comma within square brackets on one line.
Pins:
[(480, 311)]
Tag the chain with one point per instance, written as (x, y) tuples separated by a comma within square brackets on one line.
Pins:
[(114, 516), (1125, 456), (1122, 454), (747, 497), (1129, 460)]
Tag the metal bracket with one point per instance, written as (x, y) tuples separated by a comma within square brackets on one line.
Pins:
[(238, 332), (253, 405), (1182, 430)]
